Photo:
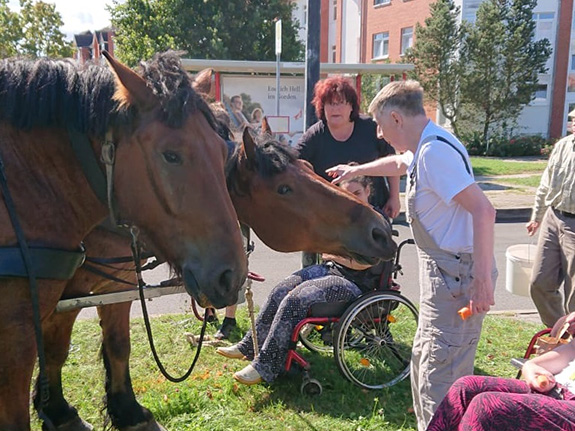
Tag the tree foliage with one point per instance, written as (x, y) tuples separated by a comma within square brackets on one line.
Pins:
[(440, 59), (215, 29), (482, 74), (33, 32), (506, 61)]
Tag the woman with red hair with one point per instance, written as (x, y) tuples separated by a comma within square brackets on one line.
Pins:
[(342, 135)]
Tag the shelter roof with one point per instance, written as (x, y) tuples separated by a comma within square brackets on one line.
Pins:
[(265, 67)]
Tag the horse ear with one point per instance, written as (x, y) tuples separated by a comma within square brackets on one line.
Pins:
[(249, 146), (203, 82), (131, 89), (266, 126)]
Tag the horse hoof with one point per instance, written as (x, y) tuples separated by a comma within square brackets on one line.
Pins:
[(76, 424), (146, 426)]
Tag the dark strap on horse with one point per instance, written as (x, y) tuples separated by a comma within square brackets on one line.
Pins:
[(43, 383), (101, 183), (92, 171), (141, 286), (46, 262)]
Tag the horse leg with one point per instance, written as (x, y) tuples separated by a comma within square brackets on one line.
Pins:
[(18, 347), (123, 409), (57, 330)]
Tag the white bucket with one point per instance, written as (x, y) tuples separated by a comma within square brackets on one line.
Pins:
[(518, 270)]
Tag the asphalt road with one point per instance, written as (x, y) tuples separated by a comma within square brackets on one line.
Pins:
[(275, 266)]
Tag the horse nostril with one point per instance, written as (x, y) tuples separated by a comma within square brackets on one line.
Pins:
[(227, 280), (383, 239)]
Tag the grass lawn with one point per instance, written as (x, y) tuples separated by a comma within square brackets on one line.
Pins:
[(530, 181), (490, 166), (211, 400)]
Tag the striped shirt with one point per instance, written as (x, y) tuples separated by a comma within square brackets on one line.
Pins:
[(557, 187)]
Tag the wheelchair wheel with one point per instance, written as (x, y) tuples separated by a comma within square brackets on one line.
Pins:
[(374, 339), (317, 338)]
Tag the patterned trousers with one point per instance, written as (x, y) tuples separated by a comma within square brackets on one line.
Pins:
[(480, 403), (287, 305)]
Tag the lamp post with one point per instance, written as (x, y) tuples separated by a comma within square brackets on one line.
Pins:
[(278, 55)]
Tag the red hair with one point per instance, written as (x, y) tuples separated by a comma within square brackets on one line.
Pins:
[(338, 89)]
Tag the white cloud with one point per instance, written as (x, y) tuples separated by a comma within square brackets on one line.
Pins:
[(78, 16)]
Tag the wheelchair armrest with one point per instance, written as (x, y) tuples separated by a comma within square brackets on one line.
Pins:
[(518, 362)]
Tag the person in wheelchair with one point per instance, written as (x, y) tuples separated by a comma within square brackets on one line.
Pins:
[(544, 401), (336, 279)]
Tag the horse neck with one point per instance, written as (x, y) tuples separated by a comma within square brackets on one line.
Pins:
[(53, 200)]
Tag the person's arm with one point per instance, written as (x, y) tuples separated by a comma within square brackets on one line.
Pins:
[(390, 166), (476, 203), (539, 205), (393, 206), (547, 365)]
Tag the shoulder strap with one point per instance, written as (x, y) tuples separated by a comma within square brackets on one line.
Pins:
[(442, 139)]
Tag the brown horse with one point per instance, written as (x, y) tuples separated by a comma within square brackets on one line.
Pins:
[(275, 193), (168, 181)]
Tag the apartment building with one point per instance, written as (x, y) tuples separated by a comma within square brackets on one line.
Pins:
[(372, 31)]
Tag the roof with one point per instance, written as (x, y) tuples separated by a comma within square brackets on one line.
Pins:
[(294, 67)]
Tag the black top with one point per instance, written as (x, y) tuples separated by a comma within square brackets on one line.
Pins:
[(322, 150)]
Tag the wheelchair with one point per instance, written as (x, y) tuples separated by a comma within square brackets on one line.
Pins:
[(371, 338)]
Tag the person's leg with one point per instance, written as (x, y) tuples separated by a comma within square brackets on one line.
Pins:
[(445, 345), (568, 250), (548, 274), (229, 323), (271, 359), (270, 308), (462, 393), (495, 411)]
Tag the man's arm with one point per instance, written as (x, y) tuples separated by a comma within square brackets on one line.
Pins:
[(390, 166), (393, 206), (474, 200)]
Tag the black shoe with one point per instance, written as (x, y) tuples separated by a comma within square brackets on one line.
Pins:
[(228, 325)]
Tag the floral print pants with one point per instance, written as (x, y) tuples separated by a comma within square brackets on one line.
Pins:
[(480, 403), (287, 305)]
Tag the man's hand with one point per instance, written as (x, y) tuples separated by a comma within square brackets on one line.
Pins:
[(482, 297), (532, 227), (341, 172)]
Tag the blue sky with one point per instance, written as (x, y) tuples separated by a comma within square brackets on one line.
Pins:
[(78, 15)]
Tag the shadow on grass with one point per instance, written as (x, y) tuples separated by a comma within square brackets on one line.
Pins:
[(340, 398)]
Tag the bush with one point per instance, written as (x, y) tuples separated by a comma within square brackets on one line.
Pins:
[(503, 146)]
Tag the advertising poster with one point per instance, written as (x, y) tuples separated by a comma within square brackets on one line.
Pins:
[(248, 98)]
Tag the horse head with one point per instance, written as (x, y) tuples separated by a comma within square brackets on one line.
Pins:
[(291, 208), (169, 179)]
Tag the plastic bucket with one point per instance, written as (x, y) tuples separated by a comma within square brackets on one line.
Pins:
[(518, 269)]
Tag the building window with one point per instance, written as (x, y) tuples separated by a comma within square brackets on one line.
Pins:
[(406, 39), (381, 2), (544, 25), (333, 54), (541, 92), (380, 45), (334, 10)]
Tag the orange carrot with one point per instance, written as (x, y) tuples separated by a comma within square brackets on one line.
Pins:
[(464, 313)]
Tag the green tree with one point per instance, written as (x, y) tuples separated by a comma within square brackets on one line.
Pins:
[(215, 29), (33, 32), (10, 30), (439, 58), (505, 61)]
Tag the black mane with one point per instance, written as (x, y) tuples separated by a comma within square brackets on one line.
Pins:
[(271, 158), (60, 93)]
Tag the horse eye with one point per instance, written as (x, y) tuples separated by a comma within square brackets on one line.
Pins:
[(284, 189), (172, 158)]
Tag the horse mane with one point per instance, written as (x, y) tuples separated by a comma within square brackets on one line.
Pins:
[(60, 93), (271, 158)]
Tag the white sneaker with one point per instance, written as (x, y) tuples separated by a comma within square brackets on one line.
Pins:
[(231, 352), (248, 376)]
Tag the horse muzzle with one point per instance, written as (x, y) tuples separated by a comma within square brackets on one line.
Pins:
[(217, 289)]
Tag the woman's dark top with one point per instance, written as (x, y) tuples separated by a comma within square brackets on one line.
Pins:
[(323, 151)]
